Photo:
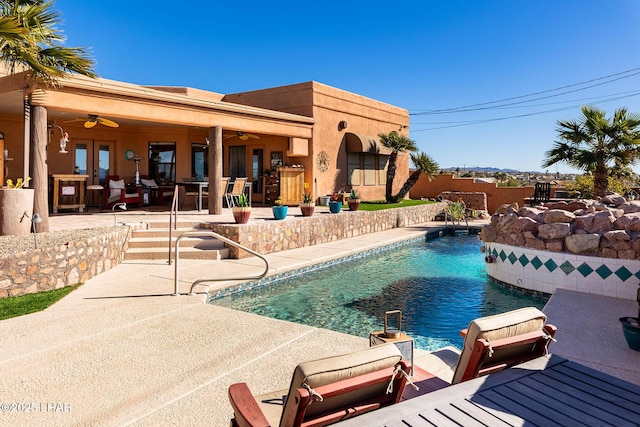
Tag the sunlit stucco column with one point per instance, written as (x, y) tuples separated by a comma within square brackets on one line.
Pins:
[(215, 170), (39, 169)]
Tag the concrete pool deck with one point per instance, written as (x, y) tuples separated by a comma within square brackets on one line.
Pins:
[(122, 350)]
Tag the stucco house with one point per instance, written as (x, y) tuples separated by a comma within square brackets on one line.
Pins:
[(325, 136)]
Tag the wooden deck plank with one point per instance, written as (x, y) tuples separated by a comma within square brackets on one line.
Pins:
[(500, 413), (532, 415), (479, 413), (412, 421), (617, 382), (435, 417), (606, 398), (558, 402), (463, 418)]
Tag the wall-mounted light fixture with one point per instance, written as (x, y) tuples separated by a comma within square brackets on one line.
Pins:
[(64, 137), (342, 125)]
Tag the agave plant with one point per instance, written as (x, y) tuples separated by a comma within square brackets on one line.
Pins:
[(307, 198)]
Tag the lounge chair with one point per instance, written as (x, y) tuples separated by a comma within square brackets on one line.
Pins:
[(119, 193), (325, 391), (492, 344)]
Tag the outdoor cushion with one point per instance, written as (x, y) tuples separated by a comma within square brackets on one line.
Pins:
[(332, 369), (149, 183), (115, 187), (504, 325)]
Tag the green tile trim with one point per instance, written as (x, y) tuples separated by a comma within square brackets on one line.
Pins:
[(585, 269)]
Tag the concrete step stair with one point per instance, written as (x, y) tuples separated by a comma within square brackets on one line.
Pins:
[(153, 244)]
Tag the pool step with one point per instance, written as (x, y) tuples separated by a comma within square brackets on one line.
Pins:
[(152, 243)]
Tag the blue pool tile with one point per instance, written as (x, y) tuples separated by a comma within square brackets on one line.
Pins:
[(623, 273), (604, 271), (536, 262), (567, 267)]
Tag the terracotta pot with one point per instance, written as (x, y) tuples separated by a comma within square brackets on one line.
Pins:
[(241, 214), (354, 204), (307, 208), (16, 211)]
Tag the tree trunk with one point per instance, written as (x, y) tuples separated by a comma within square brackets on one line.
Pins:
[(600, 181), (39, 168), (391, 174), (408, 185)]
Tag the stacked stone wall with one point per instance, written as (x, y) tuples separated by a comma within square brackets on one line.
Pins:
[(273, 236), (609, 228), (47, 268)]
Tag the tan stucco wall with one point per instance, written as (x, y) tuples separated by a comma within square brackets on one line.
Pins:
[(329, 106), (496, 196)]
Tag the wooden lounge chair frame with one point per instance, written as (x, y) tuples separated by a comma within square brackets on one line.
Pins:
[(357, 389), (485, 358)]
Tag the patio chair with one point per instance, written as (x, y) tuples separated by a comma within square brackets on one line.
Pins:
[(158, 193), (237, 188), (326, 391), (119, 193), (190, 191), (492, 344)]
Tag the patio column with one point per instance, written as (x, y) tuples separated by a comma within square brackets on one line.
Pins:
[(215, 170), (39, 165)]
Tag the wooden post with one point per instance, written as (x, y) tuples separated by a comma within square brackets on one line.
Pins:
[(39, 166), (215, 170)]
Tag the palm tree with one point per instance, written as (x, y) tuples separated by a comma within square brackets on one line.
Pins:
[(596, 143), (30, 40), (397, 143), (424, 164)]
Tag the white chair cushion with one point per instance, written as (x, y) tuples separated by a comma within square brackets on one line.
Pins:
[(115, 187), (149, 183)]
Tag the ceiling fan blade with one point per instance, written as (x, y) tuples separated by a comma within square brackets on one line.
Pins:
[(250, 135), (108, 122), (90, 123), (74, 120), (243, 137)]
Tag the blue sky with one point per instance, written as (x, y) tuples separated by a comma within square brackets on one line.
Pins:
[(419, 55)]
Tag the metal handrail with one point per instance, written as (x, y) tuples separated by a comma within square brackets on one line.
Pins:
[(173, 212), (225, 240)]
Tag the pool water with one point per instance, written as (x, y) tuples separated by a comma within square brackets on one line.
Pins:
[(440, 285)]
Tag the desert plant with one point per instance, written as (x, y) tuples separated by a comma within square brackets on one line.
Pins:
[(307, 198), (353, 195), (20, 183), (242, 201)]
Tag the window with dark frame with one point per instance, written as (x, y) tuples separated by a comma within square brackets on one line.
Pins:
[(162, 162), (199, 161)]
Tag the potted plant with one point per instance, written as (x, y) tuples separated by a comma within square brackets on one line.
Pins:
[(353, 200), (334, 205), (631, 328), (16, 208), (279, 210), (308, 205), (241, 210)]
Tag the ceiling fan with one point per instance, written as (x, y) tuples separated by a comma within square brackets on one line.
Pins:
[(93, 119), (242, 135)]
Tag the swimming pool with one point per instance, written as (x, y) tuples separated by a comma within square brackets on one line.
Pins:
[(440, 285)]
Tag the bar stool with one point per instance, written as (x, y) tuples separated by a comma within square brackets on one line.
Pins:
[(99, 188)]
